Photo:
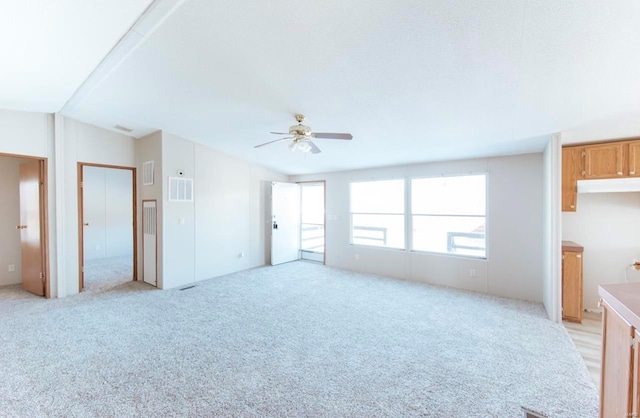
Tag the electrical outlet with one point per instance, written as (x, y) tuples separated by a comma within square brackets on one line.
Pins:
[(472, 272), (12, 267)]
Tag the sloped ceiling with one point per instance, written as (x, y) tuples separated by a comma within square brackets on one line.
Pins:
[(49, 48), (413, 81)]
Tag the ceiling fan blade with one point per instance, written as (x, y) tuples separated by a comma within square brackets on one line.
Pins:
[(280, 133), (271, 142), (314, 148), (332, 135)]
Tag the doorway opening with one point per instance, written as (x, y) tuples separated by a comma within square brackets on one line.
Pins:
[(24, 259), (297, 222), (312, 221), (107, 232)]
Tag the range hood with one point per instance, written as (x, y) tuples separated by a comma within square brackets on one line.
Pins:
[(609, 185)]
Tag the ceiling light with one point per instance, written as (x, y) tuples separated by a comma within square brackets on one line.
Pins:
[(304, 146)]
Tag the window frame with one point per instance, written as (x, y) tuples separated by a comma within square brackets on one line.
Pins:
[(403, 214), (410, 215)]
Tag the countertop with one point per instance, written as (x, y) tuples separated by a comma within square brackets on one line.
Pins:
[(572, 246), (625, 299)]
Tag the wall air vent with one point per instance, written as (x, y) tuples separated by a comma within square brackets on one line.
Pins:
[(147, 173), (180, 189), (123, 128)]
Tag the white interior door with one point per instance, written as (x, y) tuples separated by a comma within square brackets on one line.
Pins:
[(149, 243), (285, 222)]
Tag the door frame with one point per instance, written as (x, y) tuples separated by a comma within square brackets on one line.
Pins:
[(134, 208), (44, 216), (324, 189)]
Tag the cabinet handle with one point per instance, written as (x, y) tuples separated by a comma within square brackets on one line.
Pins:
[(573, 206), (619, 173), (632, 172), (583, 172), (578, 255)]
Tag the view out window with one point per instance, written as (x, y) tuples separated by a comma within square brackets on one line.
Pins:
[(377, 213), (449, 215)]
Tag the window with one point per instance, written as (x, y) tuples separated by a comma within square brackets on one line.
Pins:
[(449, 215), (377, 213)]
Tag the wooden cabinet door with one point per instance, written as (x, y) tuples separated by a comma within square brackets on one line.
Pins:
[(634, 159), (617, 365), (571, 172), (604, 161), (572, 286)]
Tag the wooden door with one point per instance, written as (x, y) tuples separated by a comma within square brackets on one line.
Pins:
[(285, 222), (604, 161), (634, 159), (31, 237), (571, 171), (572, 286), (617, 365)]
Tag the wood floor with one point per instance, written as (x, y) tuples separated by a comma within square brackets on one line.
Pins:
[(588, 340)]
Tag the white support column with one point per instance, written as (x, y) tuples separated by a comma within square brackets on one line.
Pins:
[(60, 204)]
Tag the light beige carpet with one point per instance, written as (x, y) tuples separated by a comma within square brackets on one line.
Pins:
[(299, 339), (104, 273)]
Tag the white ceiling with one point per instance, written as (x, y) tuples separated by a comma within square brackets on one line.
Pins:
[(413, 81), (49, 48)]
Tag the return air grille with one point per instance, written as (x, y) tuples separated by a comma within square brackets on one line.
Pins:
[(180, 189), (149, 216), (147, 173)]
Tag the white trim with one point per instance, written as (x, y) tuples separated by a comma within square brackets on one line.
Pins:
[(556, 226), (157, 12)]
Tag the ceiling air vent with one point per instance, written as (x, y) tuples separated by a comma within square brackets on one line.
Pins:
[(123, 128)]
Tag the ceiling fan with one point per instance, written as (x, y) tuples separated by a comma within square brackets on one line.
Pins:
[(302, 135)]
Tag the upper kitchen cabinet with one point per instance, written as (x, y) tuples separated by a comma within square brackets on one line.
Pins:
[(634, 159), (571, 172), (604, 161)]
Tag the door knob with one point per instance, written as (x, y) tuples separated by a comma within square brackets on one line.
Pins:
[(21, 227), (87, 224)]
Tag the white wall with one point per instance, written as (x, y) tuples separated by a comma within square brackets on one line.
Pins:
[(32, 134), (607, 225), (108, 211), (514, 229), (233, 199), (149, 148), (9, 218), (204, 238), (88, 144), (178, 217)]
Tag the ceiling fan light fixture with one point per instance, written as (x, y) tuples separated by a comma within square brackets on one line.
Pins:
[(304, 146)]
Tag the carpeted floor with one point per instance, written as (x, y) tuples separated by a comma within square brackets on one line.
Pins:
[(299, 339), (104, 273)]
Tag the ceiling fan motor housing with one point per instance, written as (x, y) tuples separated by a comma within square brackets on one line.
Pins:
[(300, 130)]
